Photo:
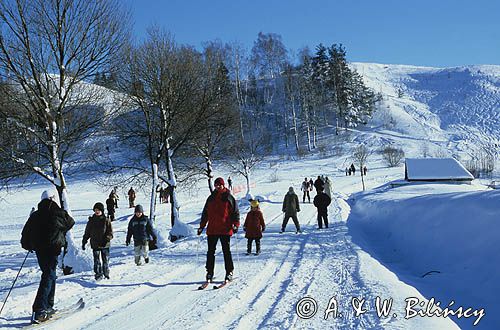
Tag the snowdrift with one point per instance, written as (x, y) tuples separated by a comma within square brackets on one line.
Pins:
[(443, 243)]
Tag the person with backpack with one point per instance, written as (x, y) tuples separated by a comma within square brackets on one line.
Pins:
[(222, 216), (290, 208), (321, 201), (141, 229), (319, 184), (100, 233), (45, 233), (254, 227)]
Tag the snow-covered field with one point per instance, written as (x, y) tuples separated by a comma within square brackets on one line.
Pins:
[(421, 241)]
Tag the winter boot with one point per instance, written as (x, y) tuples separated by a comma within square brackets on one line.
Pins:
[(51, 311), (146, 260), (209, 277), (257, 250), (229, 277), (249, 247), (39, 317)]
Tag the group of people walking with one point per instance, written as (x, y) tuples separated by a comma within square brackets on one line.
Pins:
[(351, 170), (322, 200), (46, 229), (45, 234), (321, 183)]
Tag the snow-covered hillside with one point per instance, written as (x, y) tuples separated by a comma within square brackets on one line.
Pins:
[(416, 242), (454, 109)]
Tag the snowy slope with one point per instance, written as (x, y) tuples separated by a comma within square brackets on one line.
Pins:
[(455, 109)]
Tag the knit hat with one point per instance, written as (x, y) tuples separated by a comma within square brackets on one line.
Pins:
[(47, 195), (219, 181), (99, 206), (254, 203), (139, 208), (51, 195), (290, 190)]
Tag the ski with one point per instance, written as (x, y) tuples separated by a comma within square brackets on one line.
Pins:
[(220, 286), (204, 285), (62, 313)]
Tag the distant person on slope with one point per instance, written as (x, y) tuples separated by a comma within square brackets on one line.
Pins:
[(114, 194), (45, 233), (131, 198), (141, 228), (110, 206), (254, 226), (319, 184), (328, 187), (321, 201), (100, 233), (305, 188), (353, 169), (290, 208), (223, 218)]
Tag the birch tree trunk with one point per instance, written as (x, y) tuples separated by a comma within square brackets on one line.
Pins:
[(295, 130), (174, 214), (152, 204), (210, 175)]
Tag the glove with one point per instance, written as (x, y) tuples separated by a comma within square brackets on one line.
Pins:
[(127, 243), (83, 247), (235, 229), (199, 231)]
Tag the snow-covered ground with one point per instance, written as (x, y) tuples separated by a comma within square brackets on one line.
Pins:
[(421, 241)]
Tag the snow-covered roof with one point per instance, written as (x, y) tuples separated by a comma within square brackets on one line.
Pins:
[(436, 169)]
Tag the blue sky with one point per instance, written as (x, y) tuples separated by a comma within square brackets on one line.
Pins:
[(419, 32)]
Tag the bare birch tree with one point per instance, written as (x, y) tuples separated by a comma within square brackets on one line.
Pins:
[(360, 156), (167, 104), (48, 50)]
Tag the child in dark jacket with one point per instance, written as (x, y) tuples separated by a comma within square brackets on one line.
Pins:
[(254, 226), (141, 228), (100, 232)]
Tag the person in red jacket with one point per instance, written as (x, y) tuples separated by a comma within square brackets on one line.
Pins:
[(254, 226), (223, 218)]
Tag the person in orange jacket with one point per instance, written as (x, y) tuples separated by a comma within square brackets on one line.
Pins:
[(254, 226)]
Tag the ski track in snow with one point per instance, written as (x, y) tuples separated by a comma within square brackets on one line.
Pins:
[(300, 265)]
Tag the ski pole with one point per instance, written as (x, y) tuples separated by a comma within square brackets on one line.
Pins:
[(198, 250), (5, 301), (237, 253)]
